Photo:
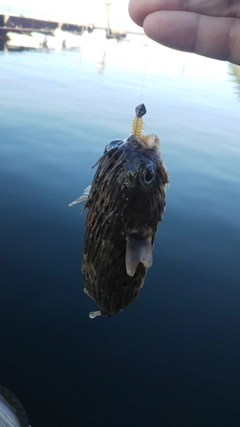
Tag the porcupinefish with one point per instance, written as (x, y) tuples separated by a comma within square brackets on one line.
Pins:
[(125, 202)]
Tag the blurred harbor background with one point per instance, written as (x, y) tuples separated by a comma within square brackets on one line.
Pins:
[(36, 32), (171, 358)]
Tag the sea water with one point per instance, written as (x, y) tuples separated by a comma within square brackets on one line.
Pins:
[(172, 357)]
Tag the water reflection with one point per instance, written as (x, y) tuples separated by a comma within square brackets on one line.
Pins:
[(234, 71), (101, 64)]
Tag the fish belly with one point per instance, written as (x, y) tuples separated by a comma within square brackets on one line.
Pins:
[(104, 270)]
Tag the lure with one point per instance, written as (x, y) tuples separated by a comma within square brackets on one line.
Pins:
[(137, 125)]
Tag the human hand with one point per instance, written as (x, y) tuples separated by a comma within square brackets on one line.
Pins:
[(206, 27)]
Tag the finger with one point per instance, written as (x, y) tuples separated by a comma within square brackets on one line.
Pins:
[(139, 9), (217, 38)]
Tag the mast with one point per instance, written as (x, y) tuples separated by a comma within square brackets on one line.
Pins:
[(108, 32)]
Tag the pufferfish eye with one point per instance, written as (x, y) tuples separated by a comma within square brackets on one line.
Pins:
[(147, 176)]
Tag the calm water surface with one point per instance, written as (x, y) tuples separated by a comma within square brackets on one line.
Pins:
[(172, 358)]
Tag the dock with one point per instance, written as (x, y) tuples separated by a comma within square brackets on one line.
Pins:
[(25, 25)]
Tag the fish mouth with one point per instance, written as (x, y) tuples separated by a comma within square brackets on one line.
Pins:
[(139, 249), (151, 140)]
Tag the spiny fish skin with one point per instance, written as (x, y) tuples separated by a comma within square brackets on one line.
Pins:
[(125, 206)]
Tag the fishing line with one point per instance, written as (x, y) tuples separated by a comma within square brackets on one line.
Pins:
[(143, 80), (144, 73)]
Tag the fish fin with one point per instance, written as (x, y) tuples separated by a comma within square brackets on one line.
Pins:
[(82, 198), (138, 251), (94, 314)]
